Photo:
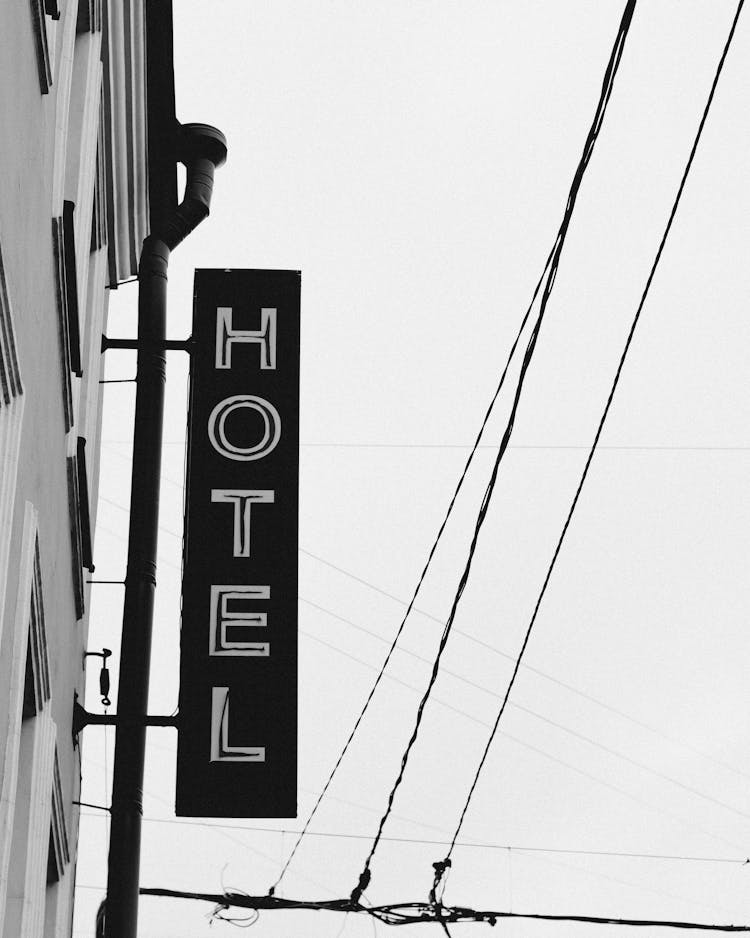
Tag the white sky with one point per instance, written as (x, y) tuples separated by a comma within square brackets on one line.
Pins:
[(412, 159)]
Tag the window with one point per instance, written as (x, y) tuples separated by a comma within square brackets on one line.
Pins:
[(58, 858), (80, 521), (11, 414), (31, 803), (71, 287), (99, 215), (83, 506), (63, 240), (10, 377), (89, 16), (42, 11)]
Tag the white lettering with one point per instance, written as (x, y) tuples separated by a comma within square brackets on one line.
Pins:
[(221, 618), (265, 337), (242, 499), (217, 427), (221, 751)]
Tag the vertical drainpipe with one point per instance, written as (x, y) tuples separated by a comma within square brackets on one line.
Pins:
[(201, 148)]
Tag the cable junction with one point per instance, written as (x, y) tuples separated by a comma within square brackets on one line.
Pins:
[(411, 913)]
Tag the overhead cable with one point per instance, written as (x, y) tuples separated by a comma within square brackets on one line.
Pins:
[(605, 413), (462, 844), (588, 149), (528, 667), (422, 575), (412, 913), (617, 754), (684, 821), (469, 637)]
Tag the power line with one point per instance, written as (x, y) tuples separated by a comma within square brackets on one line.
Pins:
[(605, 412), (406, 913), (588, 149), (219, 830), (420, 581), (507, 848), (463, 713), (527, 667), (688, 448), (471, 638), (534, 446), (550, 722), (541, 752), (474, 845), (650, 887)]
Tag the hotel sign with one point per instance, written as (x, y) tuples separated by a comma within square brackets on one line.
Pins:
[(237, 738)]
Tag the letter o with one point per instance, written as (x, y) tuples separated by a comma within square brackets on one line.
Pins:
[(271, 427)]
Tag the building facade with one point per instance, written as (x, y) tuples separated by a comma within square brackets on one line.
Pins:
[(73, 214)]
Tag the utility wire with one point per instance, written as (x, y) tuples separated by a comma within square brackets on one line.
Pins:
[(604, 415), (540, 446), (544, 719), (652, 886), (465, 844), (528, 667), (503, 654), (420, 581), (588, 149), (536, 446), (481, 722), (471, 638), (546, 755), (408, 913)]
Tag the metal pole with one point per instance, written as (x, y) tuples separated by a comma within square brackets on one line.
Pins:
[(202, 148)]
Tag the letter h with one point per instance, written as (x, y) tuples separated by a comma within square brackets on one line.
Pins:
[(265, 337)]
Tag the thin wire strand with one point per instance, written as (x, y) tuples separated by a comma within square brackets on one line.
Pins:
[(588, 149), (544, 674), (544, 719), (463, 845), (533, 446), (646, 884), (469, 637), (566, 686), (684, 821), (107, 790), (541, 446), (604, 415)]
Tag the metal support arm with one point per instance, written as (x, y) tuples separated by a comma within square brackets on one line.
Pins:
[(83, 718), (179, 345)]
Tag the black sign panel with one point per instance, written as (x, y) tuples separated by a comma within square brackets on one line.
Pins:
[(237, 739)]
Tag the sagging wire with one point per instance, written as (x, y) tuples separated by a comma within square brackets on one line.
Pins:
[(588, 149)]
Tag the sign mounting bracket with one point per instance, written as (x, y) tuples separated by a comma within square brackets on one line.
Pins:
[(83, 718), (178, 345)]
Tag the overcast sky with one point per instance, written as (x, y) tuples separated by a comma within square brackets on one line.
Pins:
[(413, 160)]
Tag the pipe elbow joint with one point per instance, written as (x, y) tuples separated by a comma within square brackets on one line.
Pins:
[(199, 142), (201, 148)]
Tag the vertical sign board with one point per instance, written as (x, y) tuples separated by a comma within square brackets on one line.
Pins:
[(237, 739)]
